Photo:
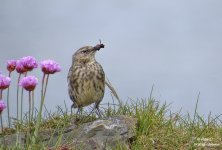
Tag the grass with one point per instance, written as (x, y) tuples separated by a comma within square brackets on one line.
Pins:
[(157, 127)]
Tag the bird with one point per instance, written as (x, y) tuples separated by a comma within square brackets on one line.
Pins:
[(86, 79)]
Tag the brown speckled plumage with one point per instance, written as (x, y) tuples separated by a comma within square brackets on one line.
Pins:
[(86, 78)]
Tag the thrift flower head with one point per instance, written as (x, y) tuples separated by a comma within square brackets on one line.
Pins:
[(2, 106), (50, 67), (29, 63), (4, 82), (11, 64), (29, 83), (19, 67)]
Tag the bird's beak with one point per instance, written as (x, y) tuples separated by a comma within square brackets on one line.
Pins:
[(98, 47)]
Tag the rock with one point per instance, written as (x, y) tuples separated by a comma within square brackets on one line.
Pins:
[(10, 140), (101, 134)]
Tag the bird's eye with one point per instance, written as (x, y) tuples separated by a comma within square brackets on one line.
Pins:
[(85, 51)]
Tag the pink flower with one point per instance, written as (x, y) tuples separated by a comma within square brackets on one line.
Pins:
[(19, 67), (50, 67), (11, 64), (29, 63), (2, 106), (4, 82), (25, 64), (29, 83)]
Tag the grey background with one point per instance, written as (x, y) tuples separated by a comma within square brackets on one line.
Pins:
[(175, 45)]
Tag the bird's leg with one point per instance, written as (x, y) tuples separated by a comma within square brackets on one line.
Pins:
[(91, 111), (78, 111), (71, 110), (98, 112), (72, 106)]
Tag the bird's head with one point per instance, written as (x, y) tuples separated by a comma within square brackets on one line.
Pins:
[(86, 54)]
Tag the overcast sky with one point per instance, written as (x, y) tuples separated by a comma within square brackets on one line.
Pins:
[(175, 45)]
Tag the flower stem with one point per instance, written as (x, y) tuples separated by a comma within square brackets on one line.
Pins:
[(21, 104), (47, 79), (42, 99), (43, 80), (29, 128), (17, 125), (29, 107), (2, 129), (40, 111), (1, 123), (9, 121), (0, 94), (33, 105), (18, 96), (22, 99)]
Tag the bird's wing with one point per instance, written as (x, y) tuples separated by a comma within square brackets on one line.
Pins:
[(69, 74)]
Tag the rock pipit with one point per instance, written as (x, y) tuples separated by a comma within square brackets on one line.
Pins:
[(86, 78)]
